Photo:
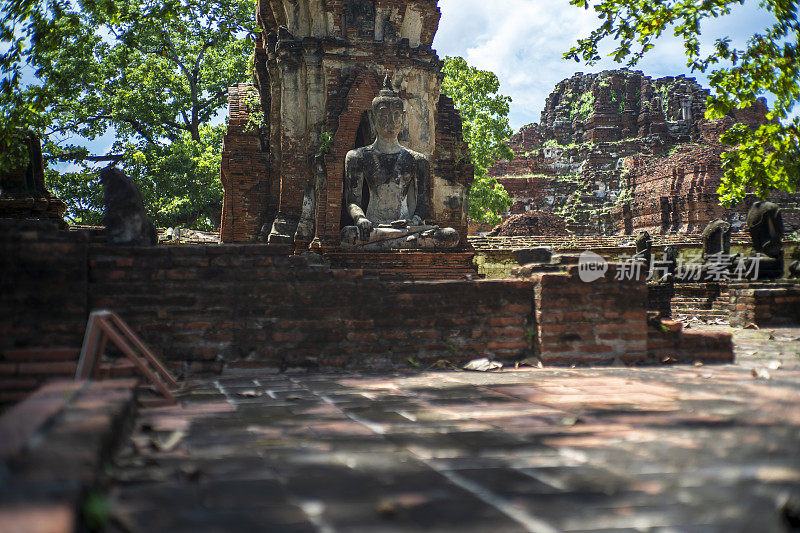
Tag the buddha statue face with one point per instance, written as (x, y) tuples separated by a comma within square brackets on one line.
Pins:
[(389, 118)]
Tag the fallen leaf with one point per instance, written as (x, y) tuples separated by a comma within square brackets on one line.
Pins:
[(250, 393), (484, 364), (170, 442), (386, 507), (774, 365), (751, 326), (443, 364), (760, 373)]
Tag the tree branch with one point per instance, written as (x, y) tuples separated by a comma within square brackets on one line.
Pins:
[(77, 156), (174, 52), (208, 44)]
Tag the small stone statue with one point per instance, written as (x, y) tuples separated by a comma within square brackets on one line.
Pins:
[(765, 225), (125, 218), (398, 180), (644, 245), (716, 239), (307, 224)]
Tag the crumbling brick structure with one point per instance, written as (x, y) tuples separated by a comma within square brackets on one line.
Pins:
[(22, 190), (620, 152), (678, 193), (318, 65)]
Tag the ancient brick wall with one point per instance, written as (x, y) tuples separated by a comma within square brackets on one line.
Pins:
[(764, 304), (452, 170), (620, 152), (659, 298), (598, 322), (44, 285), (200, 307), (209, 305), (43, 303), (531, 223), (672, 346), (247, 203)]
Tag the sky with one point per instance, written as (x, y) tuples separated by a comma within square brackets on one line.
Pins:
[(523, 41)]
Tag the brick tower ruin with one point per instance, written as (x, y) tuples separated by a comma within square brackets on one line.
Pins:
[(619, 152), (318, 66)]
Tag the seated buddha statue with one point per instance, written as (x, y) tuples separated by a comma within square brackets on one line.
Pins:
[(398, 180)]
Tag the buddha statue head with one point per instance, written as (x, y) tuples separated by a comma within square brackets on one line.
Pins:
[(387, 111)]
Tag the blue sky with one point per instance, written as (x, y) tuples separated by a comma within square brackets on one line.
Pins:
[(522, 41)]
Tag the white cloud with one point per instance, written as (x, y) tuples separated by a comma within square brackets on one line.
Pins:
[(523, 41)]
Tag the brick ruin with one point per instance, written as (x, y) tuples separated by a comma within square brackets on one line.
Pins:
[(258, 300), (619, 152), (317, 67), (202, 308), (22, 190)]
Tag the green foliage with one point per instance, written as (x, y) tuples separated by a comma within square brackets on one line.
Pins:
[(153, 73), (325, 142), (764, 159), (485, 117), (192, 165), (96, 511), (255, 117), (487, 198), (582, 107)]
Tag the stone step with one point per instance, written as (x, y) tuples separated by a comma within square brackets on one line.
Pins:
[(53, 447), (23, 370)]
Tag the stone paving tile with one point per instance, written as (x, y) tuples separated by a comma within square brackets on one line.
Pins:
[(673, 448)]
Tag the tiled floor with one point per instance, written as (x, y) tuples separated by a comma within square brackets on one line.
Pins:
[(674, 448)]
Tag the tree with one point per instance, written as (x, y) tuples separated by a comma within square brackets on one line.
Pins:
[(484, 113), (763, 159), (154, 73)]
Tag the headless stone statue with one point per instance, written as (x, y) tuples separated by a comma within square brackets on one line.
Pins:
[(644, 245), (125, 217), (398, 180), (765, 225), (716, 239)]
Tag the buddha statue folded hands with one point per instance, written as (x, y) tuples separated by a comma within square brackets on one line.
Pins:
[(398, 180)]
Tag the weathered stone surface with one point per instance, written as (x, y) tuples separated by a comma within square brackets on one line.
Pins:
[(794, 269), (125, 217), (601, 449), (644, 244), (54, 445), (765, 225), (539, 254), (716, 239)]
